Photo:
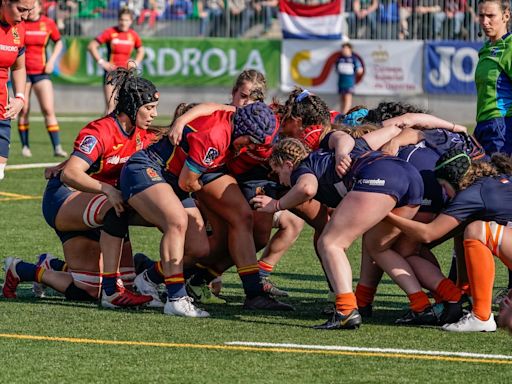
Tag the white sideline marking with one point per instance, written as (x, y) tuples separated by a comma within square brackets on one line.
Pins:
[(30, 166), (378, 350)]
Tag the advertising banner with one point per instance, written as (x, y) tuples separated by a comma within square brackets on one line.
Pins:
[(179, 62), (450, 66), (390, 67)]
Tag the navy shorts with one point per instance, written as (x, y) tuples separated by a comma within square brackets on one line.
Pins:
[(208, 177), (141, 172), (5, 137), (495, 135), (54, 196), (424, 160), (37, 77), (393, 177), (256, 182)]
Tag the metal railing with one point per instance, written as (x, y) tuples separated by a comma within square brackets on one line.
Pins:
[(379, 19)]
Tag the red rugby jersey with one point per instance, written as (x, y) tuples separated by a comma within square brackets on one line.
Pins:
[(205, 144), (37, 35), (120, 44), (105, 146), (12, 41)]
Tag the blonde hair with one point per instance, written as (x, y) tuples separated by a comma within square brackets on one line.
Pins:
[(355, 132), (258, 84), (288, 149)]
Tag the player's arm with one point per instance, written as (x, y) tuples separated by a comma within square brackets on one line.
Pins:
[(424, 232), (18, 78), (304, 190), (50, 64), (93, 49), (74, 174), (204, 109), (342, 144), (422, 121), (408, 136), (139, 55)]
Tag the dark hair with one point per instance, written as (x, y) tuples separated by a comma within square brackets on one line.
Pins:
[(387, 110), (346, 44), (131, 91), (308, 106)]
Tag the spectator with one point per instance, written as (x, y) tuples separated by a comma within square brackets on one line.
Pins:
[(348, 68), (267, 9), (212, 19), (151, 9), (179, 9), (238, 17), (405, 13), (363, 18), (454, 11), (91, 9), (423, 18)]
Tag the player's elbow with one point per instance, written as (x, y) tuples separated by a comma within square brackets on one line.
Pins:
[(309, 191)]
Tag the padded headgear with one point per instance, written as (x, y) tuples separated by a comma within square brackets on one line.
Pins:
[(255, 120), (453, 166)]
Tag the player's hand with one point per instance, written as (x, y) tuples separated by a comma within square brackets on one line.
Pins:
[(263, 203), (108, 66), (460, 128), (131, 64), (49, 67), (176, 132), (115, 198), (343, 162), (13, 108)]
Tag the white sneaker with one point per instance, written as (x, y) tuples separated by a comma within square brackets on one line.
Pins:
[(470, 323), (183, 306), (59, 152), (26, 152), (147, 287)]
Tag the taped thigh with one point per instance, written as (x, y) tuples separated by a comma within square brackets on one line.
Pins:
[(92, 211), (88, 281), (493, 236)]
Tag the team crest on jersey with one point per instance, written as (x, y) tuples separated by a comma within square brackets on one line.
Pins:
[(504, 181), (152, 174), (88, 143), (42, 26), (211, 155), (138, 142), (15, 35)]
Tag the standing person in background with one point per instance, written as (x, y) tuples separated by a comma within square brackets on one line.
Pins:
[(120, 41), (349, 68), (39, 29), (493, 85), (12, 41)]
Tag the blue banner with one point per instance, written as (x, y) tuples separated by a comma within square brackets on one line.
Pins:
[(450, 66)]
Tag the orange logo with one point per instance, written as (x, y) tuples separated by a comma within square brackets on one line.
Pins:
[(15, 35)]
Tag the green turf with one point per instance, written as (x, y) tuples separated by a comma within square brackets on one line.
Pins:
[(25, 234)]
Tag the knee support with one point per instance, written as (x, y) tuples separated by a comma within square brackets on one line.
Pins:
[(77, 294), (92, 210), (114, 225), (493, 236)]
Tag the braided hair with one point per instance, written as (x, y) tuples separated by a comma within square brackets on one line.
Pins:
[(308, 106), (255, 120), (258, 84), (131, 91), (288, 149)]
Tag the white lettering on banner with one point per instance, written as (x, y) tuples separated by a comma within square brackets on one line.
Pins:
[(451, 60), (213, 62)]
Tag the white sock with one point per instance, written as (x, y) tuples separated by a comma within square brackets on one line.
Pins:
[(2, 167)]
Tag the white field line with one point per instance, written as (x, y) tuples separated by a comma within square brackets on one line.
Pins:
[(376, 350), (30, 166)]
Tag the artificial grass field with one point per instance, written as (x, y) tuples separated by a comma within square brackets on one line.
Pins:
[(55, 341)]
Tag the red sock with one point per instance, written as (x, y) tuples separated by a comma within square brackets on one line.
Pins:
[(418, 301), (365, 295), (346, 303), (448, 291)]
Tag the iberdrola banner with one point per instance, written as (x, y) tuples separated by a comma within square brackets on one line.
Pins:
[(179, 62)]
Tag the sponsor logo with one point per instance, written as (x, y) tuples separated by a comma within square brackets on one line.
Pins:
[(15, 36), (138, 142), (211, 154), (153, 175), (426, 202), (8, 48), (372, 182), (88, 143), (117, 146), (118, 41)]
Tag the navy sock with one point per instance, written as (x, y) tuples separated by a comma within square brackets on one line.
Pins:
[(26, 271), (155, 275), (175, 285), (109, 283), (57, 265)]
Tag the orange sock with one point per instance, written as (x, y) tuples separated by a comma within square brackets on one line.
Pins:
[(346, 303), (480, 266), (418, 301), (448, 291), (364, 295)]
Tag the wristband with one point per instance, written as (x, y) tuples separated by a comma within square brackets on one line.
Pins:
[(278, 206), (100, 61), (20, 95)]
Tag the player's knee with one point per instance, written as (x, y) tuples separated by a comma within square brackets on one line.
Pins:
[(116, 226), (476, 231)]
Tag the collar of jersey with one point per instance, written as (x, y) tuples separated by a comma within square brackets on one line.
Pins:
[(119, 125)]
